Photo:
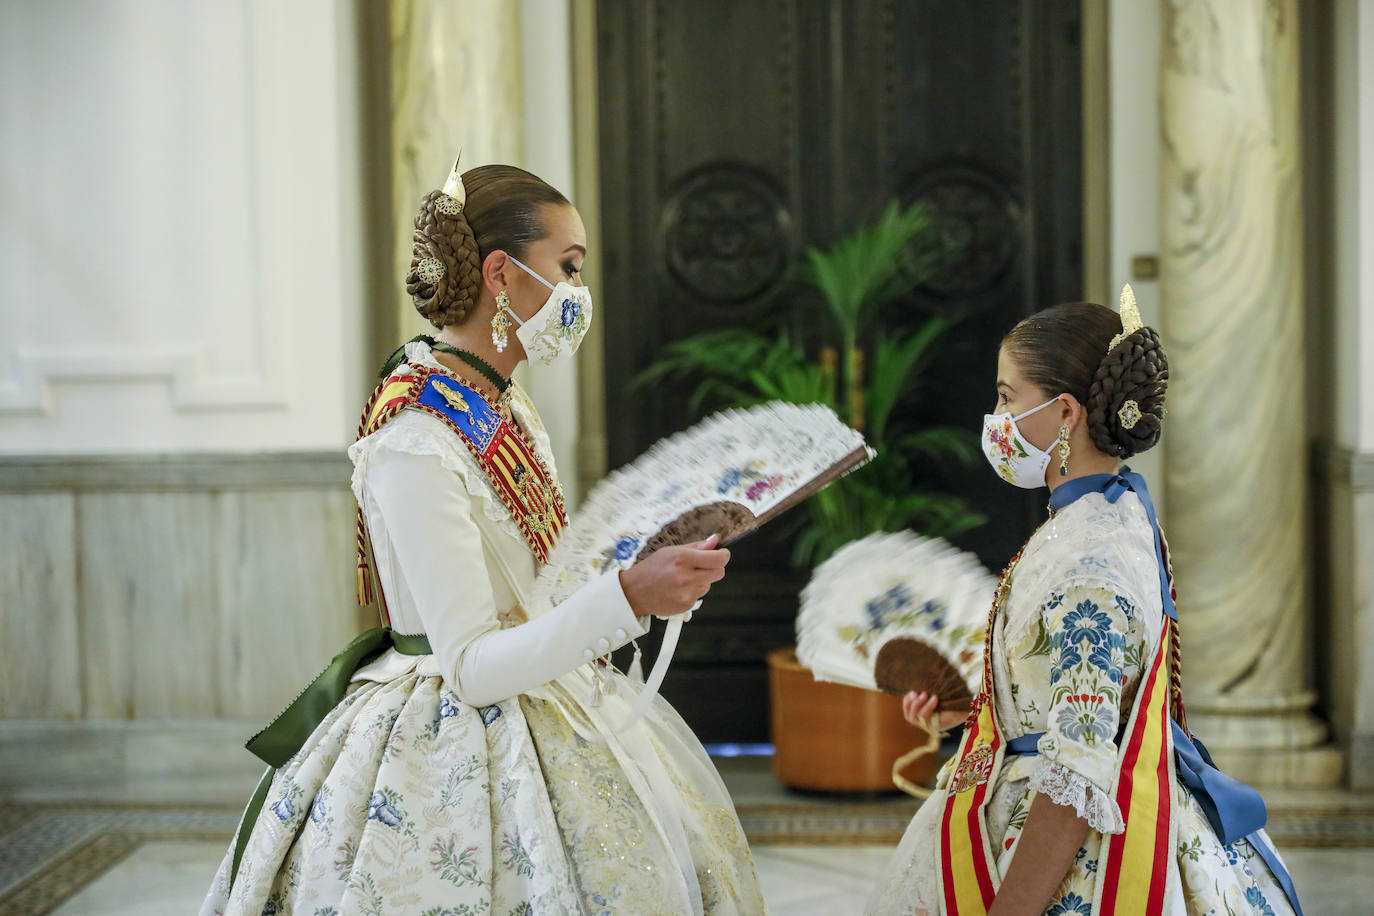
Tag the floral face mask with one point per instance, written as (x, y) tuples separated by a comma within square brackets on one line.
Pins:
[(1011, 454), (556, 330)]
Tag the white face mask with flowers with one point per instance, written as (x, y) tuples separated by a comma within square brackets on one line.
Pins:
[(556, 330), (1015, 459)]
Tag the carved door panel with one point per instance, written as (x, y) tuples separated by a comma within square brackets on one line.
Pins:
[(734, 134)]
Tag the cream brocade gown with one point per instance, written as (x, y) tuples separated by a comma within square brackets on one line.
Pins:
[(1082, 618), (465, 782)]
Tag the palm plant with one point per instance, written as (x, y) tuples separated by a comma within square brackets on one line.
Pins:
[(858, 366)]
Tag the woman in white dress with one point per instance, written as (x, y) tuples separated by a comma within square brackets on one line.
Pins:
[(1077, 789), (476, 768)]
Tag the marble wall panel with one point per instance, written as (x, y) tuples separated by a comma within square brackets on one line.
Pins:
[(148, 604), (39, 644), (286, 593)]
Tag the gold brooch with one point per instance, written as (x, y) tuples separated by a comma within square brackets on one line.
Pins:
[(430, 270), (460, 404), (1129, 414)]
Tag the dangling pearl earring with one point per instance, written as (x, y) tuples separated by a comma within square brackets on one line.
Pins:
[(500, 322), (1064, 448)]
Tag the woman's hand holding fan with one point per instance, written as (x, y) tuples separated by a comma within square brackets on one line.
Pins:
[(721, 479)]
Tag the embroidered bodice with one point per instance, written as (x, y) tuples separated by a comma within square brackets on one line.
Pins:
[(1080, 622)]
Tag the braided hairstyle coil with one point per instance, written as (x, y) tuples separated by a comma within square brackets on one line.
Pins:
[(1136, 369), (445, 293)]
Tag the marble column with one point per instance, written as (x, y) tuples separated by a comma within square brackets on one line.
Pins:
[(456, 82), (1231, 290)]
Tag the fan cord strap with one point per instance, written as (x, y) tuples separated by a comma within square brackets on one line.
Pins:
[(901, 763), (660, 670)]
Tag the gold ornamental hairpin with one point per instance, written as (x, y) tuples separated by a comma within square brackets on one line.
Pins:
[(1130, 317), (455, 195)]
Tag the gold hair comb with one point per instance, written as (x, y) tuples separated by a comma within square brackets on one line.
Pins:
[(1130, 317)]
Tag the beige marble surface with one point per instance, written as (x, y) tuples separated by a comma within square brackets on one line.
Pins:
[(455, 84), (1232, 292), (147, 594), (39, 645), (159, 879), (286, 587)]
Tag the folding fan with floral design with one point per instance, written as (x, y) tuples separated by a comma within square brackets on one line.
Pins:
[(898, 612), (729, 474)]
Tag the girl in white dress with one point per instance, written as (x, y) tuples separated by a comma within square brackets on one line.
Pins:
[(464, 758), (1077, 789)]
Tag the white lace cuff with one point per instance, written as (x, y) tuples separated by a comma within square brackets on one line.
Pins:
[(1071, 789)]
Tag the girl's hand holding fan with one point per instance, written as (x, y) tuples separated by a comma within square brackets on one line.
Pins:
[(905, 615)]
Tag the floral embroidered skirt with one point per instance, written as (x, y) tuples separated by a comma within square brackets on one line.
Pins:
[(1213, 879), (407, 801)]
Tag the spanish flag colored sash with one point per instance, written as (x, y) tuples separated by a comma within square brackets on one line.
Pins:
[(502, 450), (1156, 751), (968, 867)]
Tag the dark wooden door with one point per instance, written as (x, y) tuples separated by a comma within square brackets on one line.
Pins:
[(734, 133)]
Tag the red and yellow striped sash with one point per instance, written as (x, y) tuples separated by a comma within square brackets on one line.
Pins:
[(503, 451), (1133, 866), (967, 867)]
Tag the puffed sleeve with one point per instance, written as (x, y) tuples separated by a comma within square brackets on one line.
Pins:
[(1092, 659), (428, 515)]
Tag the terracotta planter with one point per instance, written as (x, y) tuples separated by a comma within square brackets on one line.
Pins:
[(834, 738)]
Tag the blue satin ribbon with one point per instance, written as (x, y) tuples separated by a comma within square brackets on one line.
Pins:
[(1234, 809), (1112, 486)]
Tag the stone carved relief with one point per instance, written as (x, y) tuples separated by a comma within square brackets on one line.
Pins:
[(981, 218), (727, 233)]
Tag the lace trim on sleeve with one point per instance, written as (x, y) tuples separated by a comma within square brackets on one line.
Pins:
[(1071, 789), (416, 434)]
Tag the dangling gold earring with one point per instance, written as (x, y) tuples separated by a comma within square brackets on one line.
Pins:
[(500, 322), (1064, 448)]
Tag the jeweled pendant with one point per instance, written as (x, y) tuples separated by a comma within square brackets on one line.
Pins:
[(500, 331)]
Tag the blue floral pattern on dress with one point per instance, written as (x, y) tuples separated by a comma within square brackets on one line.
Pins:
[(490, 714), (1070, 905), (448, 706), (1255, 897), (283, 809), (1088, 670), (1085, 623), (379, 808)]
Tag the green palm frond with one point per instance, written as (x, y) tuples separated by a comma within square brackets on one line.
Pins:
[(875, 264), (894, 363), (825, 363)]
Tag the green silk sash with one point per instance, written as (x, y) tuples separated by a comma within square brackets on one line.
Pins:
[(288, 732)]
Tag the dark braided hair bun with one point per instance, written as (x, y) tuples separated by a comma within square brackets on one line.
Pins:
[(503, 212), (1063, 349), (1137, 370)]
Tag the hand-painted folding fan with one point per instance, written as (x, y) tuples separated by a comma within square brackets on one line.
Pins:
[(727, 475), (898, 612)]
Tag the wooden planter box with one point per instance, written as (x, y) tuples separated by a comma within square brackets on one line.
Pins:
[(834, 738)]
